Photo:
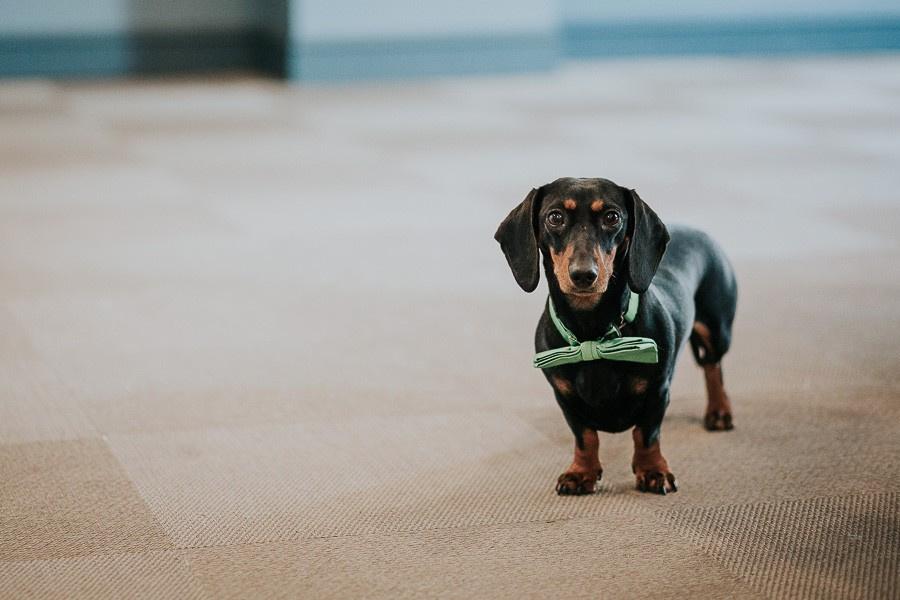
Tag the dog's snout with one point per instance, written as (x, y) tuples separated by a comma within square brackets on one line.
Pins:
[(583, 276)]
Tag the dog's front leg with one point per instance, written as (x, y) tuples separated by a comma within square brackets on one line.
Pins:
[(651, 470), (585, 471)]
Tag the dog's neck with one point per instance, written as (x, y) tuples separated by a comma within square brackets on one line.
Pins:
[(593, 323)]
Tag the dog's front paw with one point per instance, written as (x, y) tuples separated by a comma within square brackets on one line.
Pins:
[(718, 420), (656, 481), (578, 483)]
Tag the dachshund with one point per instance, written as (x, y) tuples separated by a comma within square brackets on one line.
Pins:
[(602, 244)]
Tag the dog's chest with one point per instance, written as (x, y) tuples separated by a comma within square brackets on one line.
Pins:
[(611, 390)]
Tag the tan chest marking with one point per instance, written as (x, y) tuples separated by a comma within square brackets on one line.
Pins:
[(637, 385), (562, 385)]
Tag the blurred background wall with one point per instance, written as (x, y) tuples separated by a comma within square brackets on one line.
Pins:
[(354, 39), (395, 38), (636, 27), (76, 38)]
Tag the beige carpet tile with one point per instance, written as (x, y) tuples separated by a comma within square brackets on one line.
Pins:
[(151, 575), (15, 344), (34, 402), (188, 362), (831, 547), (201, 105), (610, 556), (56, 192), (215, 487), (32, 141), (22, 96), (36, 405), (70, 498), (820, 337)]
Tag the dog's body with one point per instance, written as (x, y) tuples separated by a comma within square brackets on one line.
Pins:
[(601, 243)]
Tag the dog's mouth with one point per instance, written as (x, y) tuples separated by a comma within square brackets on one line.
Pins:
[(583, 299), (584, 293)]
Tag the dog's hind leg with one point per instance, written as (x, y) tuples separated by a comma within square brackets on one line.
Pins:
[(709, 356), (715, 303)]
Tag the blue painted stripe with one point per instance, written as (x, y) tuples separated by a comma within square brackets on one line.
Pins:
[(123, 54), (423, 57), (746, 37)]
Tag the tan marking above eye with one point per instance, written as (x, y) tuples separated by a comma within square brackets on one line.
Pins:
[(569, 204), (597, 205)]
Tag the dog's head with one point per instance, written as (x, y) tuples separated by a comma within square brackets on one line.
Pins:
[(587, 229)]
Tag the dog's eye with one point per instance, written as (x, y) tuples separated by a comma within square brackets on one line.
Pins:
[(611, 219), (555, 218)]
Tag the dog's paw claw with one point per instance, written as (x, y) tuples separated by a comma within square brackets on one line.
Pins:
[(574, 483), (670, 477), (718, 421), (656, 482)]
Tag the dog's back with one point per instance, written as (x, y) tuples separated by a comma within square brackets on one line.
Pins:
[(695, 274)]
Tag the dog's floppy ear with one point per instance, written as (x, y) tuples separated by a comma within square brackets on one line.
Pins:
[(518, 240), (648, 238)]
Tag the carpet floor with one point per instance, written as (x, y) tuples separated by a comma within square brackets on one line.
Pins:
[(257, 340)]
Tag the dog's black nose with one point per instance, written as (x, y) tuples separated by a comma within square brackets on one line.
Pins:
[(583, 277)]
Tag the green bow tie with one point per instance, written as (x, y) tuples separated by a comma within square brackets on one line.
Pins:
[(612, 346)]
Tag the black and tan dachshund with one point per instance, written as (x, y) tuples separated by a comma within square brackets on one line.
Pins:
[(600, 244)]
